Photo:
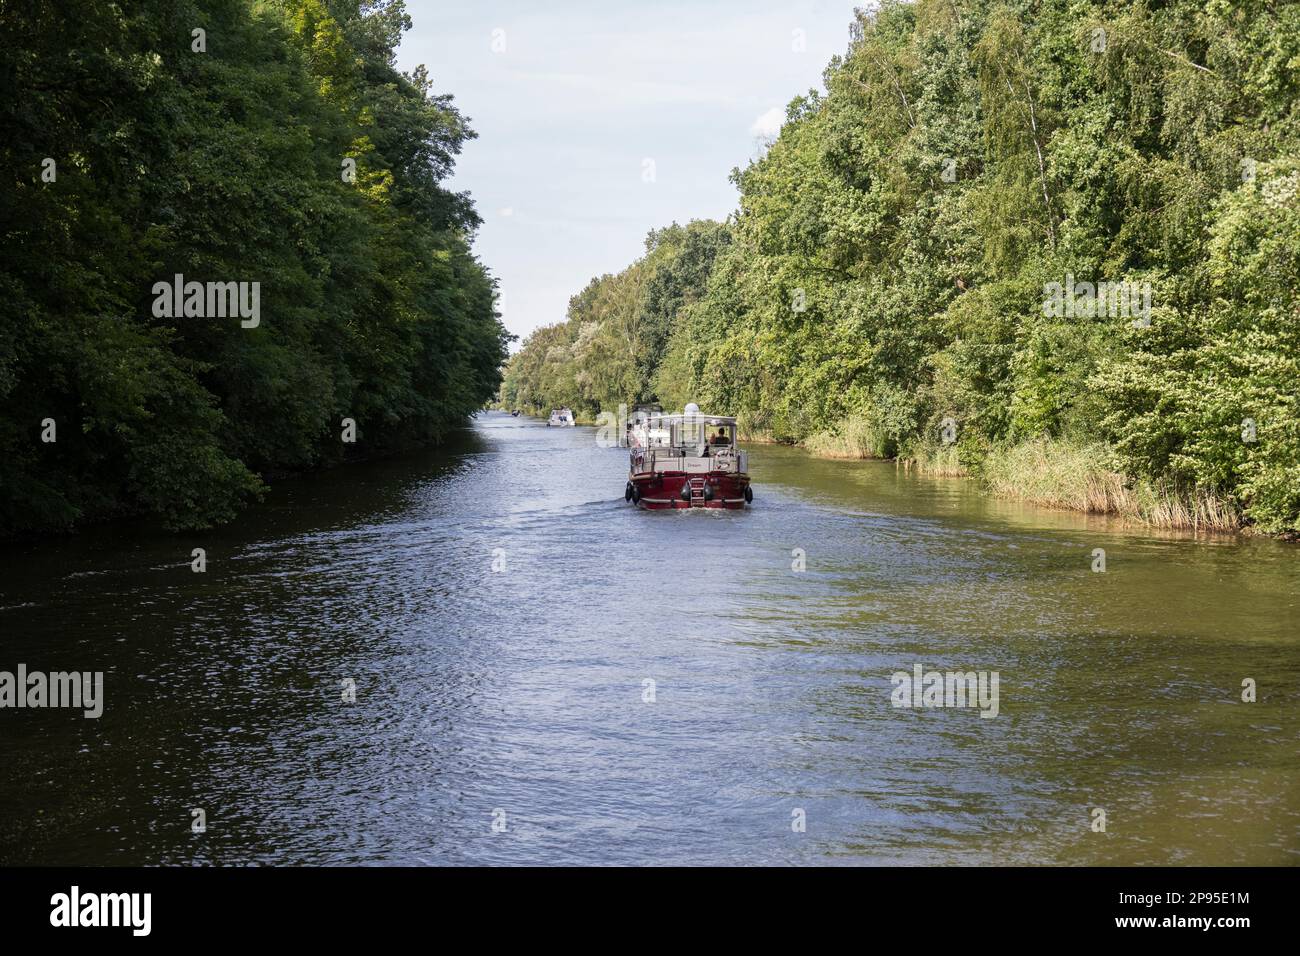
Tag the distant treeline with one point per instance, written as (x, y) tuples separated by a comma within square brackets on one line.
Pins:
[(267, 150), (1052, 244)]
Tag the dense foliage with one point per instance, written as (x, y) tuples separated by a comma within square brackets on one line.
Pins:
[(889, 267), (137, 149)]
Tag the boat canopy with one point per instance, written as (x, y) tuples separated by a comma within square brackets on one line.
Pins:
[(696, 418), (685, 430)]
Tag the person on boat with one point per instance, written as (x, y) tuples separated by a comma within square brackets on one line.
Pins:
[(720, 438)]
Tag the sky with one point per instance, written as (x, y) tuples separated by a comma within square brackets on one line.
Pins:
[(599, 121)]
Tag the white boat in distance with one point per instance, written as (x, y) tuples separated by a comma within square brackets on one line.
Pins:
[(561, 418)]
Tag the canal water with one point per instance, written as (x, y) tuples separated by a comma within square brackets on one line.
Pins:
[(544, 674)]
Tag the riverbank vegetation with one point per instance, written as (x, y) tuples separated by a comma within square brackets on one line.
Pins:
[(272, 145), (1054, 245)]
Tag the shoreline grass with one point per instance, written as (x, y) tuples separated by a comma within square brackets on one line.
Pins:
[(1072, 476), (1060, 475), (935, 461), (853, 438)]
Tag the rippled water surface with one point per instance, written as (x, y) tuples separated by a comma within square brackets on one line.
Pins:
[(523, 690)]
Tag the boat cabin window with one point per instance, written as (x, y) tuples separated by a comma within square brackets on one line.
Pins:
[(722, 436)]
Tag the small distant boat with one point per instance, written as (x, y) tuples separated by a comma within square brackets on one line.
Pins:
[(560, 418), (515, 413), (686, 461)]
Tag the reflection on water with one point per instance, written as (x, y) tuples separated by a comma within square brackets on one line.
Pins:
[(524, 690)]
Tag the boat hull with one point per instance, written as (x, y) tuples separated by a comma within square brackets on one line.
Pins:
[(663, 491)]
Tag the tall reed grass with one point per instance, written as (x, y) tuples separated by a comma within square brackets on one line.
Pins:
[(854, 437), (1074, 476)]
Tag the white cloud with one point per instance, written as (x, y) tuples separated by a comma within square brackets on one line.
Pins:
[(769, 124)]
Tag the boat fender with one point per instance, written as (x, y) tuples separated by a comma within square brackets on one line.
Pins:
[(708, 492), (636, 495), (686, 491), (628, 492), (749, 494)]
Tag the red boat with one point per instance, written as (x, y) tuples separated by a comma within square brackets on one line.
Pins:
[(686, 461)]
